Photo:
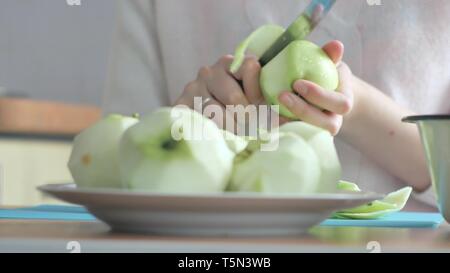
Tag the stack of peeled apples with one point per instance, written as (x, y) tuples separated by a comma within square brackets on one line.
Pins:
[(177, 150)]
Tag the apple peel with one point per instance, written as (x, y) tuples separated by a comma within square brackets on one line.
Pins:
[(392, 202), (256, 43)]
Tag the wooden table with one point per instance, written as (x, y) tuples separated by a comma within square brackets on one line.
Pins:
[(59, 236)]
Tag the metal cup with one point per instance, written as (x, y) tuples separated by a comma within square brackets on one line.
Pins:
[(435, 134)]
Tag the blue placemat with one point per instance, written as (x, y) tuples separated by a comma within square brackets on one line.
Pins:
[(48, 212), (77, 213), (396, 219)]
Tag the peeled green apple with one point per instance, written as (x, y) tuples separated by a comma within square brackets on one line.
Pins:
[(235, 143), (300, 60), (292, 168), (322, 142), (305, 161), (175, 150), (94, 160)]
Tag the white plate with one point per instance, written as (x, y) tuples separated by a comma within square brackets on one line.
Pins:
[(227, 214)]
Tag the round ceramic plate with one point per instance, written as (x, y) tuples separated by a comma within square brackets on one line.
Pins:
[(226, 214)]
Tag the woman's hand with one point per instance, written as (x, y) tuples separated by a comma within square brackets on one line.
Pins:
[(222, 87), (309, 98), (216, 85)]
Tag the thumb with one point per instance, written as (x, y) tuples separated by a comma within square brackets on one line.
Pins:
[(334, 50)]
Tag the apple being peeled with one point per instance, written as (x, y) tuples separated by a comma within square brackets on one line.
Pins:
[(94, 162), (300, 60), (175, 150)]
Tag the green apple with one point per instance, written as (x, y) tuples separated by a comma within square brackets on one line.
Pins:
[(304, 161), (292, 168), (300, 60), (235, 143), (175, 150), (93, 161), (322, 142)]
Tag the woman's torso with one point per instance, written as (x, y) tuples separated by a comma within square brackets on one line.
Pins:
[(401, 47)]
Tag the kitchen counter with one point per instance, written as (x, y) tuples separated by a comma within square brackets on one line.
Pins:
[(20, 116), (61, 236)]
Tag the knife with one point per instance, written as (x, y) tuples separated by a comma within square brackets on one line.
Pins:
[(300, 28)]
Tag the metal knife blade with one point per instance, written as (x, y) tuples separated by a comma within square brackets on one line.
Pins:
[(300, 28)]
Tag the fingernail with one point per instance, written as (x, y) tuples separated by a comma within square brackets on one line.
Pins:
[(287, 100)]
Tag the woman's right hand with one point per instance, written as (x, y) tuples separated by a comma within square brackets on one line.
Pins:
[(216, 85)]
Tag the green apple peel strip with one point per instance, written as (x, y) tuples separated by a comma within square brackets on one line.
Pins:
[(257, 43), (393, 202)]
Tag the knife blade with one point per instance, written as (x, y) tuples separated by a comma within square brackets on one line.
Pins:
[(300, 28)]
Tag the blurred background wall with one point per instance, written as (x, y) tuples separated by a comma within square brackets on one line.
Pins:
[(50, 50), (55, 52)]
